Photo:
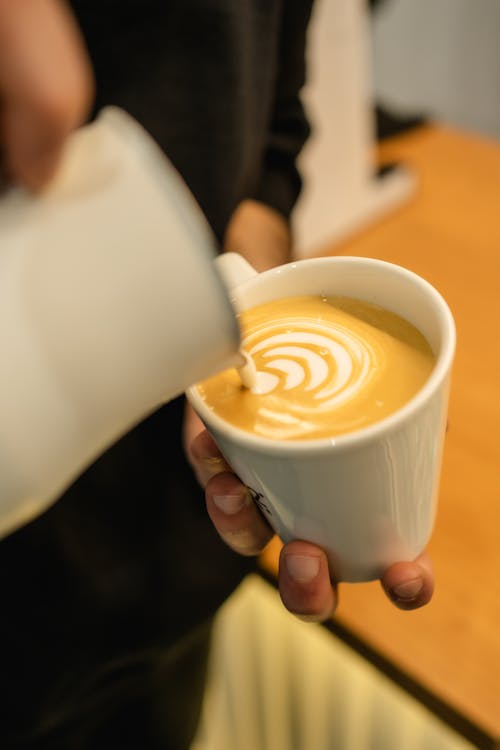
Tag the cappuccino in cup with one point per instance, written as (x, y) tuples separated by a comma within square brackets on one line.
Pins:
[(325, 366), (340, 436)]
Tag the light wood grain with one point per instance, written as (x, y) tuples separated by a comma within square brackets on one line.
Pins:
[(450, 234)]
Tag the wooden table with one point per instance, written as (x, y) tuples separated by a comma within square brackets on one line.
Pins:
[(448, 653)]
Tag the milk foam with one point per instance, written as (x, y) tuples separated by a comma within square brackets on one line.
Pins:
[(321, 370), (321, 359)]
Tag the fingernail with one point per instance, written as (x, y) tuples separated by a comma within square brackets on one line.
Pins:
[(408, 590), (301, 568), (230, 504)]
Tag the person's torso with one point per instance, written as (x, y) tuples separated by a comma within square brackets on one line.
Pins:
[(199, 75)]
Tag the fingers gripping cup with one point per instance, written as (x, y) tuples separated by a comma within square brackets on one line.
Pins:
[(340, 438)]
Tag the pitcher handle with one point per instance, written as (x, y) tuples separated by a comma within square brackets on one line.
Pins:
[(234, 269)]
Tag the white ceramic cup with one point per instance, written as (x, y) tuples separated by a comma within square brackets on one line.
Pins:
[(110, 305), (368, 498)]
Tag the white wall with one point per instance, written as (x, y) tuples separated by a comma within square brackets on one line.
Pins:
[(441, 57)]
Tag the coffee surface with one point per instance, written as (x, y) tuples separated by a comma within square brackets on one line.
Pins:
[(325, 366)]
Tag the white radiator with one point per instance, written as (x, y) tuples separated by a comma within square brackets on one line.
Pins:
[(279, 684)]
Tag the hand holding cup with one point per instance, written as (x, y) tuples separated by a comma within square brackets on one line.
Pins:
[(367, 497)]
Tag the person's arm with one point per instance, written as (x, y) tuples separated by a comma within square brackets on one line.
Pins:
[(260, 226), (46, 87), (280, 181)]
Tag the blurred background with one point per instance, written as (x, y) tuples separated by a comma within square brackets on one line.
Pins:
[(377, 68), (439, 57)]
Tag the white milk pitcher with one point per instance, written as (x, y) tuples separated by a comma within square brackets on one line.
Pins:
[(110, 305)]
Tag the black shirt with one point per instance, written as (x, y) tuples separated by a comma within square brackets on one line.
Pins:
[(216, 83)]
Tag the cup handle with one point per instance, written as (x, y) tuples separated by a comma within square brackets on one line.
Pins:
[(234, 269)]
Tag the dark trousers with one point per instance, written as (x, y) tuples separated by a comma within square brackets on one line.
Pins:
[(149, 703)]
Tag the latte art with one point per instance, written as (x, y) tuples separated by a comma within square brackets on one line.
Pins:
[(323, 359), (324, 367)]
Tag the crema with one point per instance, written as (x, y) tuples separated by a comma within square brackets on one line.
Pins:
[(325, 366)]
